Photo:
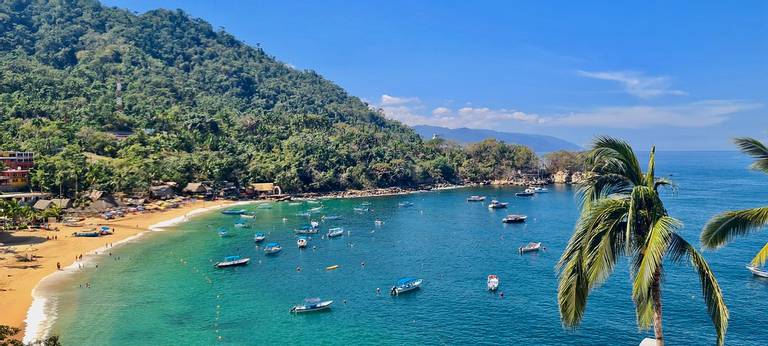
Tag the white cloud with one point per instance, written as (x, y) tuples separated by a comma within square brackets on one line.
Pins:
[(411, 111), (387, 100), (635, 83), (696, 114)]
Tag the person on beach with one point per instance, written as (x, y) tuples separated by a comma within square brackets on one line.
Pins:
[(58, 266)]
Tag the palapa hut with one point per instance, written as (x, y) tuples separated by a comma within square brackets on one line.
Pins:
[(61, 203), (162, 192)]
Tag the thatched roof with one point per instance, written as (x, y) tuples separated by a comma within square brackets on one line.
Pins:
[(162, 191), (44, 204), (196, 188)]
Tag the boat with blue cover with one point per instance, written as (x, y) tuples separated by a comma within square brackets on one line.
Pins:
[(233, 212), (302, 242), (308, 229), (272, 248), (259, 237), (312, 304), (232, 261), (405, 285)]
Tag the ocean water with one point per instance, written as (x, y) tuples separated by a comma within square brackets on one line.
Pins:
[(165, 291)]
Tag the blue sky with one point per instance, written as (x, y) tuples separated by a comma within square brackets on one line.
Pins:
[(680, 75)]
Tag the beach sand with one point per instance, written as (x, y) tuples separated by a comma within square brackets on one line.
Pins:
[(18, 279)]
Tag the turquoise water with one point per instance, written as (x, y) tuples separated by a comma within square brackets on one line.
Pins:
[(165, 291)]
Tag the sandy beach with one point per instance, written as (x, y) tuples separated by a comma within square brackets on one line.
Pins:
[(49, 248)]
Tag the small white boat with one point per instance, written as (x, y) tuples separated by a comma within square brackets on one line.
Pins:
[(331, 217), (335, 232), (301, 242), (223, 233), (314, 224), (361, 209), (378, 222), (538, 189), (493, 282), (497, 205), (757, 271), (272, 248), (531, 247), (316, 209), (312, 304), (405, 204), (526, 193), (259, 237), (475, 198), (248, 216), (405, 285), (232, 261), (241, 225), (514, 218)]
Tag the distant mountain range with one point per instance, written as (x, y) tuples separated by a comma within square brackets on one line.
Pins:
[(539, 143)]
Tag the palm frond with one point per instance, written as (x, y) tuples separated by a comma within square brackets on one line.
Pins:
[(650, 175), (604, 224), (680, 250), (650, 258), (664, 182), (756, 149), (573, 285), (724, 227), (761, 256), (612, 155)]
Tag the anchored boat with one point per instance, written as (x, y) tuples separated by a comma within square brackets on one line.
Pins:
[(233, 212), (272, 248), (335, 232), (302, 242), (757, 271), (475, 198), (531, 247), (497, 205), (259, 237), (232, 261), (405, 285), (526, 193), (493, 282), (312, 304), (514, 218), (405, 204)]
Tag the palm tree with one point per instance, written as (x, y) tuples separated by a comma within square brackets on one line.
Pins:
[(623, 215), (724, 227)]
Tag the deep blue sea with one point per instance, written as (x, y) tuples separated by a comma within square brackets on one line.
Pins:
[(165, 291)]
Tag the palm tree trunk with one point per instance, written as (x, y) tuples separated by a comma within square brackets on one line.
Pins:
[(656, 296)]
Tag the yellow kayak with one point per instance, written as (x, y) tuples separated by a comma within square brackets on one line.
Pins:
[(333, 267)]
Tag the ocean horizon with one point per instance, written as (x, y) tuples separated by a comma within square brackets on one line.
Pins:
[(164, 289)]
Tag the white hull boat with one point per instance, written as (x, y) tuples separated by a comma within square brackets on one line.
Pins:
[(757, 271), (335, 232), (405, 285), (493, 282), (531, 247), (312, 305), (232, 261)]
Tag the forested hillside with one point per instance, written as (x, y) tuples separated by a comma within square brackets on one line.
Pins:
[(113, 100)]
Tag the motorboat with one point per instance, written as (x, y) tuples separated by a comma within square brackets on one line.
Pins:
[(272, 248), (493, 282), (757, 271), (526, 193), (106, 230), (259, 237), (302, 242), (316, 209), (331, 217), (304, 214), (475, 198), (405, 285), (539, 189), (248, 216), (233, 212), (333, 267), (514, 218), (405, 204), (241, 224), (378, 222), (361, 209), (531, 247), (314, 224), (312, 304), (307, 230), (335, 232), (497, 205), (365, 204), (232, 261)]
